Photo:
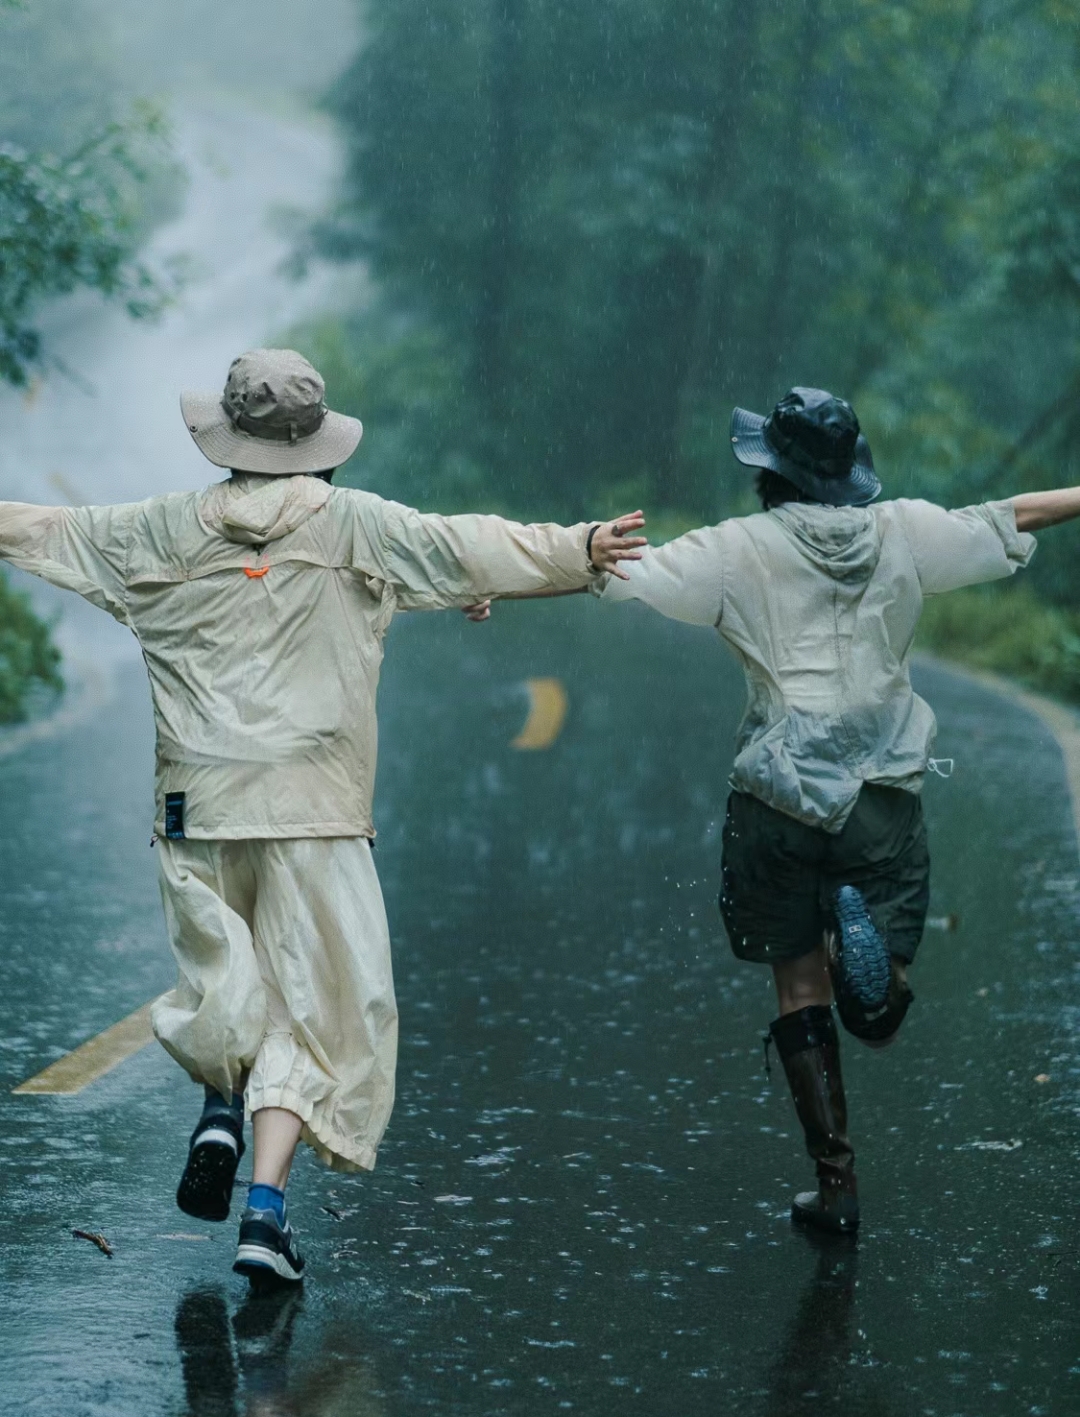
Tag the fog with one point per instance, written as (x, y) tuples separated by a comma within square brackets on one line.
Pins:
[(105, 426), (541, 250)]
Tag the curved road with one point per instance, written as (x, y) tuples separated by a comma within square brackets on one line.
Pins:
[(111, 431), (582, 1200)]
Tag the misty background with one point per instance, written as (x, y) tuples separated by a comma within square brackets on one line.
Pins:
[(541, 249)]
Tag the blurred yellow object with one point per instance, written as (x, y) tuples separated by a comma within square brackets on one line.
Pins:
[(547, 713), (66, 488)]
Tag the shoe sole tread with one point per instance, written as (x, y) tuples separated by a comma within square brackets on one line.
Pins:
[(863, 955), (205, 1189)]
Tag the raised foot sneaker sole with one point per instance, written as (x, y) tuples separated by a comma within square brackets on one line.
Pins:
[(264, 1265), (862, 953), (205, 1189)]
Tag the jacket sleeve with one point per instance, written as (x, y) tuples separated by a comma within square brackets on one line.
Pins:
[(964, 547), (436, 562), (683, 579), (83, 549)]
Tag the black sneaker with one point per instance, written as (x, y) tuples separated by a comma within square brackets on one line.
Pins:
[(267, 1250), (217, 1144), (862, 968)]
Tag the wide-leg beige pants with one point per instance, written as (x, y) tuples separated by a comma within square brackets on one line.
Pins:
[(284, 970)]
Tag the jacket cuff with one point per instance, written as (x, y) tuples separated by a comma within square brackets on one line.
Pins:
[(1019, 546)]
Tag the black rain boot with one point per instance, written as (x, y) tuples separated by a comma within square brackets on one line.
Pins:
[(809, 1049)]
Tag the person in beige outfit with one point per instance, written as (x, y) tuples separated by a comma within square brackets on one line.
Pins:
[(260, 606)]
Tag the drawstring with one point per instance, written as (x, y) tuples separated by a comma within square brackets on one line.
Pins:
[(767, 1039), (943, 767)]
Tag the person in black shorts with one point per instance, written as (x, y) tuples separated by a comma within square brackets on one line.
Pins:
[(825, 861)]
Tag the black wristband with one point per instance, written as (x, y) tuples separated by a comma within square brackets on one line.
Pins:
[(588, 542)]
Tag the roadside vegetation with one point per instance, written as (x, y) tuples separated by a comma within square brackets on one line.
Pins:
[(1008, 630), (84, 174), (586, 231), (29, 661)]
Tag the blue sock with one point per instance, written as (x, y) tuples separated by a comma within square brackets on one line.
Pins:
[(262, 1197)]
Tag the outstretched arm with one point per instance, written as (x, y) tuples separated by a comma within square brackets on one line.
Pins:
[(435, 562), (607, 544), (683, 580), (1037, 510), (83, 549)]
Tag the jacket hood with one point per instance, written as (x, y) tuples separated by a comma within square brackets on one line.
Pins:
[(841, 541), (253, 510)]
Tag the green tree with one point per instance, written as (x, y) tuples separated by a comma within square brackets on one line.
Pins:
[(593, 228), (66, 222), (28, 658)]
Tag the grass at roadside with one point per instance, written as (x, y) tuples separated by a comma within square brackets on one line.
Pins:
[(29, 661), (1008, 630)]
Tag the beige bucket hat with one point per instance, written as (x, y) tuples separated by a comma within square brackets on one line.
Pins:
[(272, 418)]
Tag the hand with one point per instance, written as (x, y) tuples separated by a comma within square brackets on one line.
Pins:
[(477, 613), (612, 543)]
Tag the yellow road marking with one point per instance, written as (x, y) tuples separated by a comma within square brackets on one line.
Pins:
[(94, 1058), (547, 712)]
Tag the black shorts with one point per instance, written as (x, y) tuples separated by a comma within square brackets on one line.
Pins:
[(780, 875)]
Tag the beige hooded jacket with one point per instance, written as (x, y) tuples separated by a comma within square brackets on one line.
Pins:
[(260, 606), (820, 605)]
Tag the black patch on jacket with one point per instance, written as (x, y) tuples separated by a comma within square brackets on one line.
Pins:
[(174, 815)]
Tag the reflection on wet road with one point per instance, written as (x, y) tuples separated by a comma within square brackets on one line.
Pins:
[(582, 1202)]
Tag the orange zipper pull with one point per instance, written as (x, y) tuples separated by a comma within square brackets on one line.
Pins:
[(255, 574)]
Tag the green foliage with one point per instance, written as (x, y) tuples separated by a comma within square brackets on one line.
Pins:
[(28, 658), (407, 382), (593, 228), (84, 174), (79, 188), (1008, 630), (67, 223)]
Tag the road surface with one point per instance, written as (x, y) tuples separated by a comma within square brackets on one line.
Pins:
[(582, 1201)]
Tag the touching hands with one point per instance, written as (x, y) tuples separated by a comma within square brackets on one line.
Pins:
[(612, 543)]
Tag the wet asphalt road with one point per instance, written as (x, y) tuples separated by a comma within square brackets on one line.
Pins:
[(582, 1200)]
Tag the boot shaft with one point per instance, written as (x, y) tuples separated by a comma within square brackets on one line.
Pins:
[(809, 1049)]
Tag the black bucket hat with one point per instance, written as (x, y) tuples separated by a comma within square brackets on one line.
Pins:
[(812, 438)]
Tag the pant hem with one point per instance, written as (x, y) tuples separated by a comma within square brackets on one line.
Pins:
[(334, 1149)]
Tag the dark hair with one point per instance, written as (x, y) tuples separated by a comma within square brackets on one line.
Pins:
[(774, 489), (327, 476)]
